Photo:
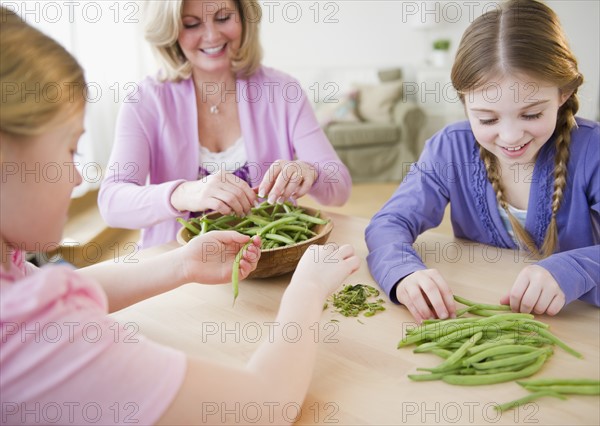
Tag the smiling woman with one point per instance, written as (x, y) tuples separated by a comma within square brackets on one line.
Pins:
[(216, 130)]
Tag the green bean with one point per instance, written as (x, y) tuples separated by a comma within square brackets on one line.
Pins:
[(511, 360), (508, 368), (532, 397), (497, 350), (553, 382), (491, 344), (189, 226), (425, 377), (258, 220), (442, 353), (308, 218), (235, 272), (481, 305), (483, 312), (488, 379), (557, 341), (505, 317), (281, 238), (566, 389), (460, 352), (273, 224)]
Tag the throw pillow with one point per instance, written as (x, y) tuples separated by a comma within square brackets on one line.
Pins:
[(375, 101), (342, 111)]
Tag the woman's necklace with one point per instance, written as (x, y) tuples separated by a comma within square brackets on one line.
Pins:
[(214, 109)]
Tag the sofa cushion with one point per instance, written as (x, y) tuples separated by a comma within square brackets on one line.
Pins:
[(341, 111), (375, 101), (356, 135), (390, 74)]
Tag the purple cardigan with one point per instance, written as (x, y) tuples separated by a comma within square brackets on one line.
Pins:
[(156, 149), (450, 170)]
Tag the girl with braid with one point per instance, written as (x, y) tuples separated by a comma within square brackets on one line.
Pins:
[(523, 172)]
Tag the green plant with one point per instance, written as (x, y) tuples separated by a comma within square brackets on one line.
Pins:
[(441, 44)]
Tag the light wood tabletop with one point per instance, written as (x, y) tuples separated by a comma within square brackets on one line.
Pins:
[(360, 377)]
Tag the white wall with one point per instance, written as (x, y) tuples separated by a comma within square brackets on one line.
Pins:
[(348, 40)]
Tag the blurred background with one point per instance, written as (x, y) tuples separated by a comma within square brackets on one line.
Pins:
[(392, 55), (330, 46)]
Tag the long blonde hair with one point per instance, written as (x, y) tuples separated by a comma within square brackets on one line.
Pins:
[(164, 23), (523, 37), (40, 80)]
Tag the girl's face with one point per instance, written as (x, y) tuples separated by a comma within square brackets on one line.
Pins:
[(38, 176), (211, 34), (513, 118)]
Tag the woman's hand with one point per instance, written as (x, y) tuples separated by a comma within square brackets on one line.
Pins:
[(426, 295), (222, 192), (208, 258), (323, 268), (535, 290), (287, 179)]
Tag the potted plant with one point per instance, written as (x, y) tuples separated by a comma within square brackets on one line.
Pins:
[(439, 56)]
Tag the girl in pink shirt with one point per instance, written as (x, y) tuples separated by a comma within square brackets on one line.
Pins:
[(63, 360)]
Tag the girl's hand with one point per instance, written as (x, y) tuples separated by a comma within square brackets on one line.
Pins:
[(287, 179), (208, 258), (426, 295), (222, 192), (323, 268), (535, 289)]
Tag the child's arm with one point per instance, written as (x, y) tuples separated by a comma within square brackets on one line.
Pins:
[(417, 205), (207, 259), (557, 280), (279, 372)]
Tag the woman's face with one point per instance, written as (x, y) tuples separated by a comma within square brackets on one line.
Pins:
[(38, 176), (211, 34), (514, 117)]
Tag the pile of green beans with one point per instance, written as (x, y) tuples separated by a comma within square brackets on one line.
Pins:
[(556, 388), (354, 299), (497, 346), (278, 225)]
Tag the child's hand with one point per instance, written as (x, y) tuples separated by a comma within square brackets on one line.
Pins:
[(535, 289), (209, 258), (426, 295), (324, 268)]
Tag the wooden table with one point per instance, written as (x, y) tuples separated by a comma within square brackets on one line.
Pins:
[(360, 376)]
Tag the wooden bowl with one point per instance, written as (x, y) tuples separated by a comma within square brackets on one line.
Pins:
[(280, 260)]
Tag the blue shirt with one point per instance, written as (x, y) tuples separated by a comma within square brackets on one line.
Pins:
[(450, 170)]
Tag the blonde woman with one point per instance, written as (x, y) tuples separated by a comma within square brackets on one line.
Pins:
[(523, 172), (216, 130), (63, 360)]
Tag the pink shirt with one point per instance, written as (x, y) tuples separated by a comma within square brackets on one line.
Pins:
[(156, 148), (63, 360)]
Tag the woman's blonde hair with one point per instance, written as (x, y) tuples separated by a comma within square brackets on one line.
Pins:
[(164, 23), (40, 81), (523, 37)]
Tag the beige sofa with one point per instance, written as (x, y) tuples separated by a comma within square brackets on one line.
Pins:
[(384, 141)]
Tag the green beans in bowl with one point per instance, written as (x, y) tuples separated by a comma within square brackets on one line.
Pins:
[(286, 232)]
